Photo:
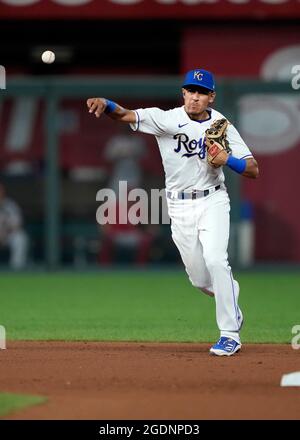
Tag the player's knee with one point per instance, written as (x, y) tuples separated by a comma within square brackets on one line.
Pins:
[(215, 262), (201, 287), (196, 284)]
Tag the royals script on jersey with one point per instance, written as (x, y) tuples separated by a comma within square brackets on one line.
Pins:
[(182, 146)]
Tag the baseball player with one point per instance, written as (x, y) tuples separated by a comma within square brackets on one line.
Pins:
[(12, 233), (198, 202)]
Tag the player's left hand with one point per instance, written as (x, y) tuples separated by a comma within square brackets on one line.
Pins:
[(218, 156), (216, 143)]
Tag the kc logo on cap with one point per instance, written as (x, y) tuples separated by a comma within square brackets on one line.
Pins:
[(198, 75)]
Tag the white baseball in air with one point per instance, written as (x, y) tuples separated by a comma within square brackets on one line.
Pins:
[(48, 57)]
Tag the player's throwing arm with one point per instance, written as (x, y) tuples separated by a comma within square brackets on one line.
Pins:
[(98, 106)]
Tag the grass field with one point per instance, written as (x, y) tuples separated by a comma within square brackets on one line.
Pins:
[(12, 402), (141, 306)]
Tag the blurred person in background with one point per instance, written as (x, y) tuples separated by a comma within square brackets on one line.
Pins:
[(125, 153), (12, 234), (134, 241)]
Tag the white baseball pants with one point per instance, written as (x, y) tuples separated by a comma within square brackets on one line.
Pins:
[(17, 241), (200, 230)]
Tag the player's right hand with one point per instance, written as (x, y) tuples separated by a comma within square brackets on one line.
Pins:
[(96, 105)]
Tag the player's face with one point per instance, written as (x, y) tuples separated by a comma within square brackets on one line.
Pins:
[(196, 101)]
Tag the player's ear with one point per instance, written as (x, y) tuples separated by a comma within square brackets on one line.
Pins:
[(183, 92), (211, 97)]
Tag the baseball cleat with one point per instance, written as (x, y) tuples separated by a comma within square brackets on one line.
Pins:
[(225, 347)]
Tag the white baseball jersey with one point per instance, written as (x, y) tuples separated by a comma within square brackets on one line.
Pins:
[(182, 147)]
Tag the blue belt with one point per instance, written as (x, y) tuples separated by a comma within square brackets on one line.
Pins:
[(195, 194)]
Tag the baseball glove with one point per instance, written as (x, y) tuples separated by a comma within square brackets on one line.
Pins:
[(215, 139)]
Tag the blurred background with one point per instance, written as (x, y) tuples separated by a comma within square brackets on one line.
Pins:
[(55, 157)]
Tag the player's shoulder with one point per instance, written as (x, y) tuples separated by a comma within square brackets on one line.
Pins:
[(176, 110), (169, 113), (170, 116), (157, 111)]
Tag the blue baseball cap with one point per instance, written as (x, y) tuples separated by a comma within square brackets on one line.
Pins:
[(200, 78)]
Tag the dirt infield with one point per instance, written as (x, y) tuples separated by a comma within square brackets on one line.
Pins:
[(108, 381)]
